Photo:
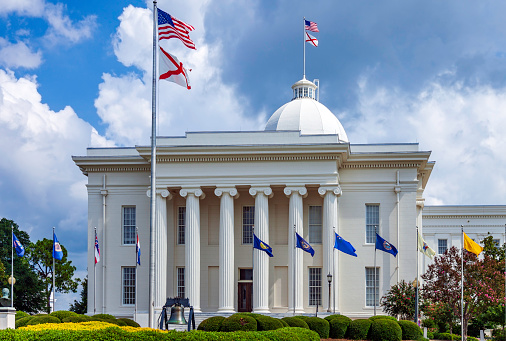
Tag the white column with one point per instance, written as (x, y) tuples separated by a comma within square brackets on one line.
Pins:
[(295, 256), (329, 194), (227, 265), (261, 259), (192, 245), (160, 232)]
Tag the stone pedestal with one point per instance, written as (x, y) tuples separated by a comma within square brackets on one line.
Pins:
[(7, 318)]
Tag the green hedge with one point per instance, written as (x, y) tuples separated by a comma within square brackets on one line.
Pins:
[(294, 321), (62, 314), (43, 319), (23, 321), (267, 323), (129, 322), (302, 317), (21, 314), (77, 319), (358, 329), (211, 324), (410, 330), (284, 323), (238, 322), (338, 326), (429, 323), (385, 330), (378, 317), (319, 325)]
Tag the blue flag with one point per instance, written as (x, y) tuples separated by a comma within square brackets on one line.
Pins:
[(344, 246), (383, 245), (260, 245), (302, 244), (20, 250), (57, 251)]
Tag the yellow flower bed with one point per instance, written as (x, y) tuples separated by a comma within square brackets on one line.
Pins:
[(91, 325)]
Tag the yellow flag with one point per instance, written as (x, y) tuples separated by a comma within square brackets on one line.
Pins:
[(471, 246)]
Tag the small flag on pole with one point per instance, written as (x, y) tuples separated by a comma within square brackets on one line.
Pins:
[(138, 250), (20, 250), (383, 245), (302, 244), (97, 249), (170, 27), (57, 251), (310, 26), (344, 246), (260, 245), (311, 40), (172, 69), (471, 246), (424, 248)]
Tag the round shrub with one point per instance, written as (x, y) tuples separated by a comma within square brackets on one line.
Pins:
[(238, 322), (105, 316), (319, 325), (330, 317), (267, 323), (129, 322), (77, 319), (338, 326), (284, 323), (293, 334), (358, 329), (62, 314), (385, 330), (378, 317), (410, 330), (211, 324), (21, 314), (43, 319), (294, 321), (23, 321), (302, 317), (429, 323)]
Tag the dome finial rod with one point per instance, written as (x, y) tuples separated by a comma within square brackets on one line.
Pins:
[(304, 42)]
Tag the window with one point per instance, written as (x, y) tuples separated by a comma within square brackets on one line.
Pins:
[(315, 286), (181, 223), (371, 286), (128, 280), (245, 274), (371, 223), (442, 246), (248, 221), (315, 224), (129, 225), (180, 283)]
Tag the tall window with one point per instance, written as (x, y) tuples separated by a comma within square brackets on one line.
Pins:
[(371, 223), (315, 286), (371, 286), (248, 220), (181, 223), (442, 246), (315, 224), (128, 287), (180, 283), (128, 224)]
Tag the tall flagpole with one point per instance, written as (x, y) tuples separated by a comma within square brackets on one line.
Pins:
[(94, 275), (53, 275), (252, 263), (462, 286), (304, 42), (152, 215), (333, 272), (504, 279), (12, 266), (136, 275), (416, 280), (293, 266), (376, 236)]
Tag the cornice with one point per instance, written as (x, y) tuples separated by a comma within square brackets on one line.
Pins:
[(162, 159), (353, 165), (467, 216), (115, 168)]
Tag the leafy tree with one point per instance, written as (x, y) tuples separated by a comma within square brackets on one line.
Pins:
[(41, 258), (483, 283), (494, 251), (81, 307), (442, 314), (28, 295), (400, 300)]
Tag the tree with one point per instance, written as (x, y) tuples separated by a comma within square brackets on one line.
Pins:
[(400, 300), (41, 257), (28, 290), (483, 283), (81, 307)]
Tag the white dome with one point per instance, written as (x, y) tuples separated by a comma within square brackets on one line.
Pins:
[(306, 115)]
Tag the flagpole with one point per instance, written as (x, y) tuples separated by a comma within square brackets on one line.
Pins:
[(416, 280), (293, 266), (375, 271), (462, 286), (53, 275), (12, 266), (504, 302), (333, 272), (252, 263), (304, 42), (94, 275), (136, 263), (152, 216)]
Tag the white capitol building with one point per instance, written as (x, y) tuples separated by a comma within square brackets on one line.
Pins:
[(300, 174)]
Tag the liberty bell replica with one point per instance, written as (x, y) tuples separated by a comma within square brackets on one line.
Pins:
[(177, 314)]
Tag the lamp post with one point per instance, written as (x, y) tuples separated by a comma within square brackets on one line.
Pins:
[(11, 280), (329, 279)]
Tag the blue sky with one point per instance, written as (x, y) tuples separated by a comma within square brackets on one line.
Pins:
[(78, 74)]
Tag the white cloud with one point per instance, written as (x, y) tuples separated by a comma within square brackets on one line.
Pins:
[(462, 126), (62, 29), (18, 55), (22, 7)]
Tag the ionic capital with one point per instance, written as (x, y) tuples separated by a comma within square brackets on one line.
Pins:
[(164, 193), (420, 202), (232, 191), (265, 190), (336, 189), (292, 190), (193, 190)]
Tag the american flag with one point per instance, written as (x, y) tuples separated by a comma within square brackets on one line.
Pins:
[(310, 26), (170, 27)]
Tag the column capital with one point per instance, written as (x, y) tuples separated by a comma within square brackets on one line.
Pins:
[(196, 191), (336, 189), (163, 192), (232, 191), (420, 202), (264, 189), (291, 189)]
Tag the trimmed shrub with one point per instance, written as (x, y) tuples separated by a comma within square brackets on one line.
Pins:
[(211, 324), (292, 334), (338, 326), (319, 325), (21, 314), (129, 322), (430, 335), (358, 329), (105, 316), (62, 314), (284, 323), (43, 319), (410, 330), (429, 323), (385, 330), (378, 317), (294, 321), (302, 317), (238, 322), (267, 323), (23, 321), (76, 319)]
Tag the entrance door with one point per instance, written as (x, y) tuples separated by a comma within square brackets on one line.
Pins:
[(245, 293)]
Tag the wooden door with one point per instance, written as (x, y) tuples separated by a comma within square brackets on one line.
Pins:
[(245, 303)]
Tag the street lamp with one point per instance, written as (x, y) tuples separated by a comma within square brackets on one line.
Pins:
[(11, 280), (329, 279)]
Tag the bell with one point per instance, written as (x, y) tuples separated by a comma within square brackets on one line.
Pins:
[(177, 315)]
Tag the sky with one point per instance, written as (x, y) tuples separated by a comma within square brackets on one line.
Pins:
[(77, 74)]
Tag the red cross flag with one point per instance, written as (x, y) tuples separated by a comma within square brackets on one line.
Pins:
[(172, 69), (311, 40)]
